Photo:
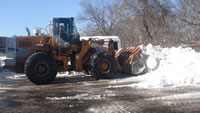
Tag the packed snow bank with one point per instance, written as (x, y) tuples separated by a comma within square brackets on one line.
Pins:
[(178, 67), (2, 63), (2, 58), (6, 73)]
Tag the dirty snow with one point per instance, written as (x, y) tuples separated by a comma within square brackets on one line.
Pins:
[(176, 99), (191, 95), (16, 76), (70, 74), (84, 96), (1, 60), (4, 73), (178, 67)]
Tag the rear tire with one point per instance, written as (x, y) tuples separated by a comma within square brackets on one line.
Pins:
[(95, 66), (40, 68)]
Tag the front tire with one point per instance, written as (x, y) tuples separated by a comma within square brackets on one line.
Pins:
[(40, 68), (103, 65)]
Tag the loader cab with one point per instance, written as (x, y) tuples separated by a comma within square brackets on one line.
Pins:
[(65, 31)]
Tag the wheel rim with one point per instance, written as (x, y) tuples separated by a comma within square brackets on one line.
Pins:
[(41, 68), (105, 67)]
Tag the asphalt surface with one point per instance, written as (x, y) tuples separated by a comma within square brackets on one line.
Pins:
[(80, 94)]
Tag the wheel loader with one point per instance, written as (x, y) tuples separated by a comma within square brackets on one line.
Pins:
[(43, 55)]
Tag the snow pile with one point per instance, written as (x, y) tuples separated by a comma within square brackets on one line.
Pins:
[(6, 73), (2, 58), (2, 63), (178, 67)]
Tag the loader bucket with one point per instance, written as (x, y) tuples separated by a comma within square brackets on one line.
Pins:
[(131, 60)]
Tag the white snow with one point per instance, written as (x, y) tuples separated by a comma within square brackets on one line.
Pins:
[(100, 37), (5, 73), (178, 67), (84, 96), (70, 74), (16, 76), (191, 95), (178, 99), (2, 58), (151, 62)]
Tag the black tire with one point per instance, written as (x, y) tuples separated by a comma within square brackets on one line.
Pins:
[(40, 68), (97, 60)]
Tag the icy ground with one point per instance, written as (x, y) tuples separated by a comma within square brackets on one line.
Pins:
[(81, 94)]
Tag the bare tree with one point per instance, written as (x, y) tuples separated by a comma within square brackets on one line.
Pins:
[(142, 21), (147, 20), (98, 16), (189, 20)]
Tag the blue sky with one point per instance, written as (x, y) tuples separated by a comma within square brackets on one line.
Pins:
[(16, 15)]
